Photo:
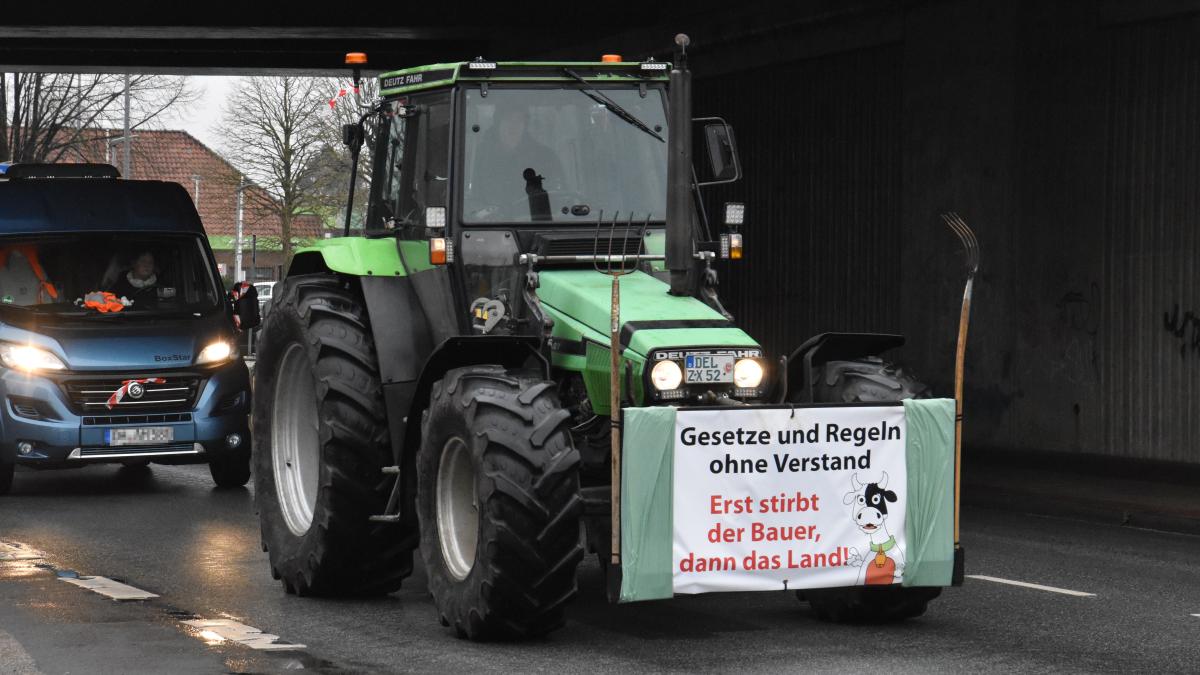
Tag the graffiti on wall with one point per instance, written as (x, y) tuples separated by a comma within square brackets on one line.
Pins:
[(1079, 315), (1186, 327)]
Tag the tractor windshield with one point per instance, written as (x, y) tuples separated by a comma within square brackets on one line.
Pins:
[(538, 155)]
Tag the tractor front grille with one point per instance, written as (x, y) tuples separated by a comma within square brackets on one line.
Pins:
[(589, 244)]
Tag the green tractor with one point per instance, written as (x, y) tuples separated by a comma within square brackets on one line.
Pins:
[(443, 382)]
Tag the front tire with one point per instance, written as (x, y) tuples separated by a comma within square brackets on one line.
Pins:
[(499, 504), (320, 442), (867, 380)]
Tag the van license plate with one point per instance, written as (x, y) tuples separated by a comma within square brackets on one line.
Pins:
[(140, 435), (706, 368)]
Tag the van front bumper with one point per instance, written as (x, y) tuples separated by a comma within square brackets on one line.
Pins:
[(40, 428)]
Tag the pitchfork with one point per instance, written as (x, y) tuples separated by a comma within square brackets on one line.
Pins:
[(614, 371), (971, 249)]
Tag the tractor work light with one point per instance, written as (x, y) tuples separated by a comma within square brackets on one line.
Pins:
[(666, 375), (437, 251), (747, 374), (435, 216), (29, 359), (735, 213), (652, 66), (480, 64)]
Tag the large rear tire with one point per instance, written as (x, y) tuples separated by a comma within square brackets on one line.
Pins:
[(320, 442), (499, 504), (867, 380)]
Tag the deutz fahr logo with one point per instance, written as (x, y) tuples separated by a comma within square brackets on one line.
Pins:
[(739, 353)]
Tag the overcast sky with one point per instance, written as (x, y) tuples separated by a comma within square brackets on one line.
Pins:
[(201, 119)]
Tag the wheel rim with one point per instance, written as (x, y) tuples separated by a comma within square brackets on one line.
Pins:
[(457, 508), (295, 443)]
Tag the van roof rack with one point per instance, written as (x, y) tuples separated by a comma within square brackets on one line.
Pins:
[(13, 171)]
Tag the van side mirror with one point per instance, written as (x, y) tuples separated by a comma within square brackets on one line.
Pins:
[(244, 297), (722, 151)]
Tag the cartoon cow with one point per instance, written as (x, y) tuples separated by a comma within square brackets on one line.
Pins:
[(869, 512)]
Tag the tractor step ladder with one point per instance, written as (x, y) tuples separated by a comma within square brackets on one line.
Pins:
[(391, 514)]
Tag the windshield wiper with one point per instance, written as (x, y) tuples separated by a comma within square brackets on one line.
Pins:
[(599, 97)]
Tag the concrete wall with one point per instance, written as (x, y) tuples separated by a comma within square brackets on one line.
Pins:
[(1067, 133)]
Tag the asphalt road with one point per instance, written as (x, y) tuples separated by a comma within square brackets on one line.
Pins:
[(170, 533)]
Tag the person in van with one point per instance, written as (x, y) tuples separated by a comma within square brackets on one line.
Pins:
[(140, 283)]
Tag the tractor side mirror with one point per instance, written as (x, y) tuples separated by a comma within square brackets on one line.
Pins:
[(352, 135), (722, 151), (244, 296)]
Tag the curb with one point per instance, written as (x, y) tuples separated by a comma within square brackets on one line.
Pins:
[(1107, 512)]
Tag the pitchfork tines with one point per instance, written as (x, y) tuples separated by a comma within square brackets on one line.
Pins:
[(621, 260), (966, 236)]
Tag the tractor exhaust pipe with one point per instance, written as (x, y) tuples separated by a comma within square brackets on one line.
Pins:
[(679, 171)]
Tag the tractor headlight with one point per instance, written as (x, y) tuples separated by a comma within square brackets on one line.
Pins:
[(29, 359), (747, 374), (666, 375)]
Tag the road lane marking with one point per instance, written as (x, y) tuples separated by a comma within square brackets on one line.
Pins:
[(216, 631), (12, 551), (16, 660), (1038, 587), (109, 588), (212, 631)]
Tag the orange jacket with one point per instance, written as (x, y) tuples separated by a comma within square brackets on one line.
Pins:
[(103, 302)]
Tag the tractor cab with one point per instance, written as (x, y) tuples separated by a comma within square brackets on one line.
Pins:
[(520, 185)]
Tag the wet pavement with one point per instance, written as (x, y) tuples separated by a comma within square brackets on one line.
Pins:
[(169, 532)]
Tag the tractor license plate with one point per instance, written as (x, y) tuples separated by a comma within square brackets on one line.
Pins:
[(708, 368), (140, 436)]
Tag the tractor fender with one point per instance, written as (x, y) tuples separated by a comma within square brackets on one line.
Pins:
[(510, 351), (821, 349), (355, 256)]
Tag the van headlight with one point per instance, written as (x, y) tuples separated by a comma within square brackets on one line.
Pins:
[(747, 374), (216, 352), (666, 375), (29, 359)]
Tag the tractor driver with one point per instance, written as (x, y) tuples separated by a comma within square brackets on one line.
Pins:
[(510, 166)]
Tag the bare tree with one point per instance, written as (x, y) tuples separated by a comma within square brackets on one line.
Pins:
[(332, 178), (272, 130), (49, 117)]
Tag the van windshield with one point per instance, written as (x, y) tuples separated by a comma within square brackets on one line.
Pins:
[(90, 274)]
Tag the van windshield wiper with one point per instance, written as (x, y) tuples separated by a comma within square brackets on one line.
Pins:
[(599, 97)]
